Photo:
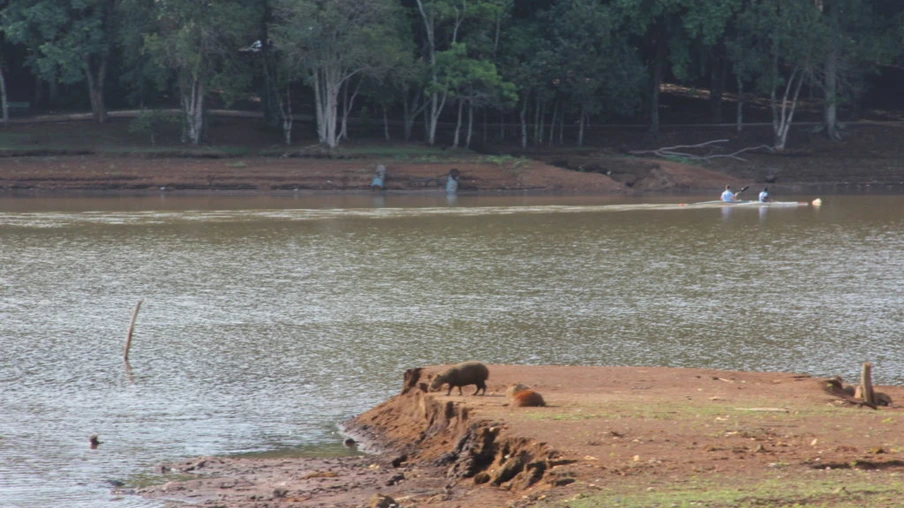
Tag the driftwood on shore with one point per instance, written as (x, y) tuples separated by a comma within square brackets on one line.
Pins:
[(672, 151)]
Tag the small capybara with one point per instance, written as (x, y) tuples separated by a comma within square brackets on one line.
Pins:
[(515, 388), (463, 374), (523, 396), (528, 398)]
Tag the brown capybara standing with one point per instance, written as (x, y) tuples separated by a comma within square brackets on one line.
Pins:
[(463, 374)]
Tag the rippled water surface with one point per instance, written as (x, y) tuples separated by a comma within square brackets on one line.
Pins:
[(268, 321)]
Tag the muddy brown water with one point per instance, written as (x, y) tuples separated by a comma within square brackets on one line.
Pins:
[(267, 321)]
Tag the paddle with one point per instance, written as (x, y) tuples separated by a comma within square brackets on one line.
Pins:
[(736, 194)]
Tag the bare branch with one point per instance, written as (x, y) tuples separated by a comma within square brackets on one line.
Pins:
[(669, 151)]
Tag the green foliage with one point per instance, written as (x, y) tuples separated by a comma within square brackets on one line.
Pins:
[(151, 122), (331, 43), (591, 61), (587, 56), (63, 34), (199, 41)]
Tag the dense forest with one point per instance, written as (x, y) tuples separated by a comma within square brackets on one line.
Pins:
[(542, 65)]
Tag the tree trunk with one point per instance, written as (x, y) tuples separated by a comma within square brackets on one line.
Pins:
[(830, 110), (470, 124), (193, 109), (437, 103), (348, 104), (657, 83), (739, 116), (581, 127), (343, 123), (385, 124), (410, 110), (538, 121), (326, 97), (865, 390), (485, 125), (717, 88), (271, 99), (431, 115), (318, 111), (784, 115), (523, 116), (96, 74), (285, 111), (552, 122), (461, 105), (562, 126), (4, 105)]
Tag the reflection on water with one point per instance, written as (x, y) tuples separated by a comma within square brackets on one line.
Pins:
[(267, 321)]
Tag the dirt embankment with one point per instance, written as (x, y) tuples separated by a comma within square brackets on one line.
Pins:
[(80, 173), (616, 160), (607, 435)]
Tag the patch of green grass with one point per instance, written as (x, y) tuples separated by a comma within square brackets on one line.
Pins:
[(238, 164), (725, 414), (541, 415), (837, 490), (501, 160), (14, 140)]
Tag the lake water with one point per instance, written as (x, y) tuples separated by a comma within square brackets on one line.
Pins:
[(268, 321)]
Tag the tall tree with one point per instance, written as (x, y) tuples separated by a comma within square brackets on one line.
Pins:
[(470, 81), (335, 42), (856, 38), (71, 41), (786, 41), (443, 23), (199, 42), (598, 72), (4, 104), (524, 60), (143, 77), (670, 29)]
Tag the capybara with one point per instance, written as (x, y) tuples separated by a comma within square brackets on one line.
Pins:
[(463, 374), (515, 388), (527, 398)]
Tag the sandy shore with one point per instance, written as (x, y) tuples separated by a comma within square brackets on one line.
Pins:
[(606, 435)]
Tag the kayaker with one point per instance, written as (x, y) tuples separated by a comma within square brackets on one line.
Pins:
[(764, 195), (728, 196)]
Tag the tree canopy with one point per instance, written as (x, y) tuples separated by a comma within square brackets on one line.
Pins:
[(550, 67)]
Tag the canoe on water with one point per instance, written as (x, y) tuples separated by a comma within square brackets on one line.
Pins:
[(752, 204)]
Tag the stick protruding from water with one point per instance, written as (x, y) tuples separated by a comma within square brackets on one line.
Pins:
[(125, 350)]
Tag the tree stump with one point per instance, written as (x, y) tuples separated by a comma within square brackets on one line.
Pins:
[(865, 390)]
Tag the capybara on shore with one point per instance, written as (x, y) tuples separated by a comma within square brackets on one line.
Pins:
[(523, 396), (528, 398), (463, 374), (515, 388)]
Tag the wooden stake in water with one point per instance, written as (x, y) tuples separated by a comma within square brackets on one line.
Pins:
[(125, 350)]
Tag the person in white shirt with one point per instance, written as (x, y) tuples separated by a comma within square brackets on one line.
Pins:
[(764, 195), (728, 196)]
